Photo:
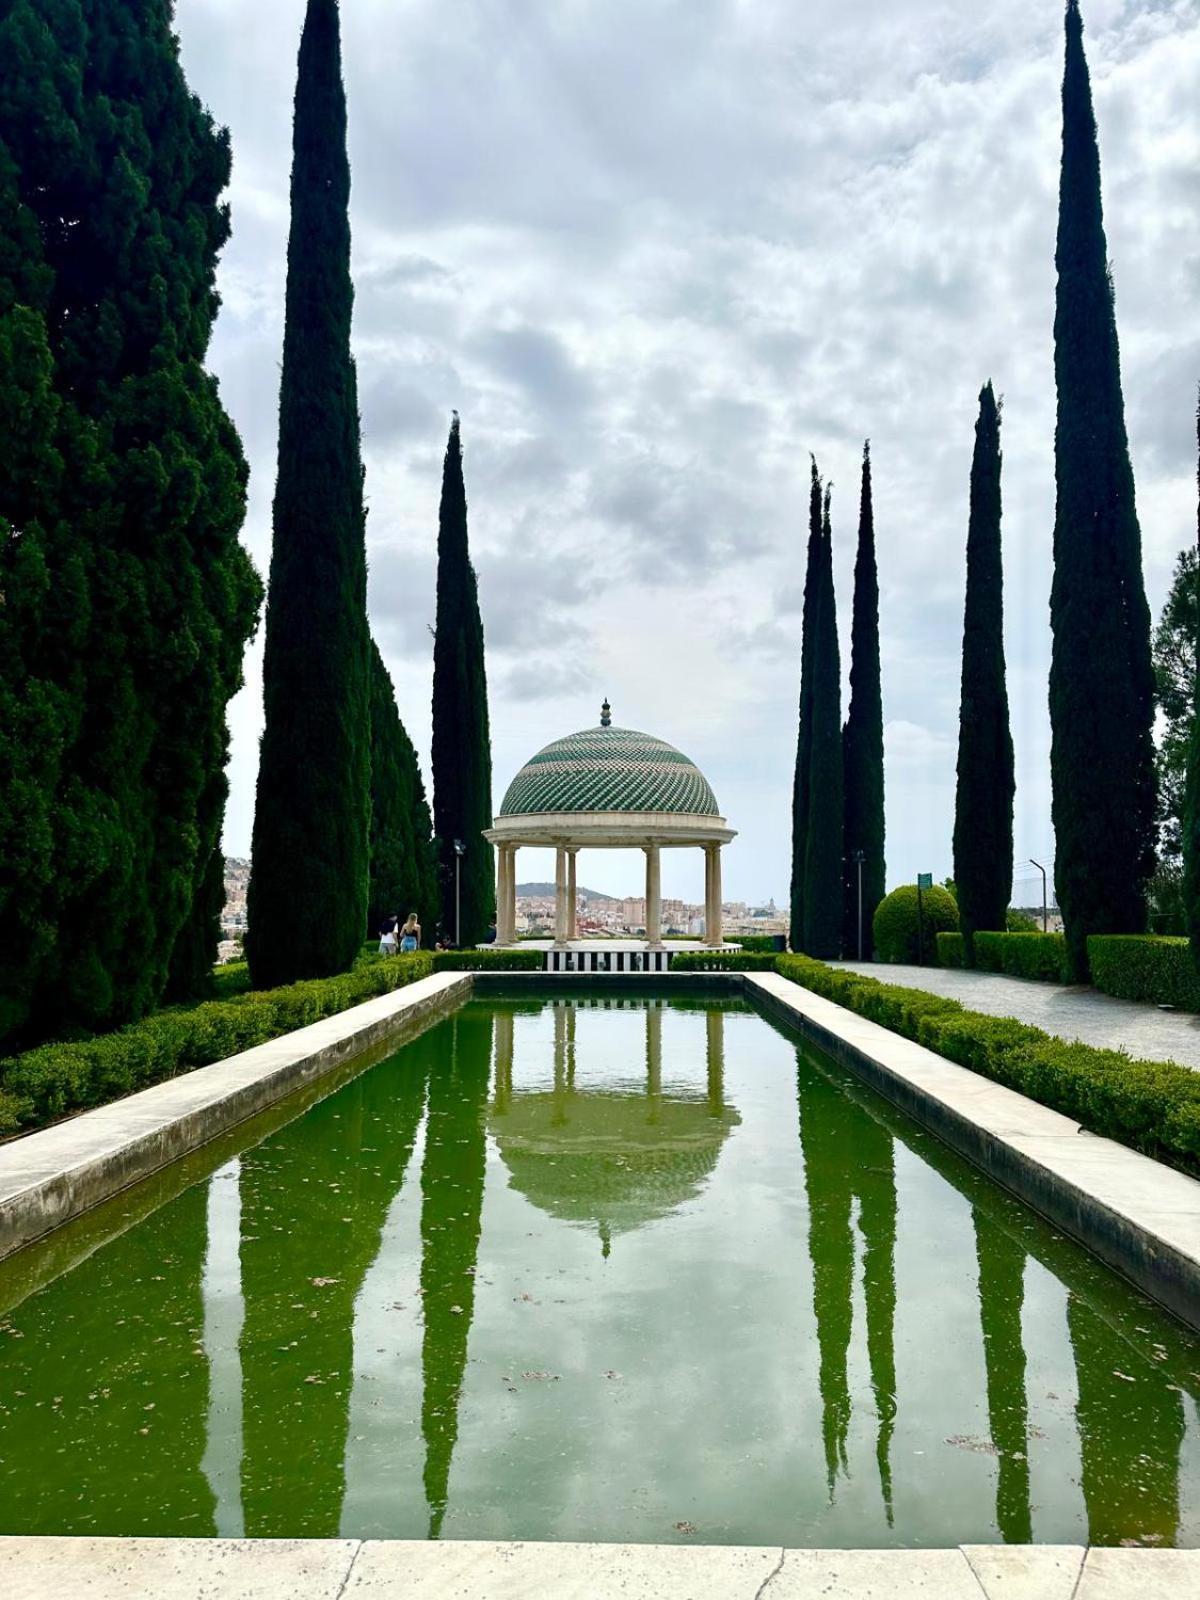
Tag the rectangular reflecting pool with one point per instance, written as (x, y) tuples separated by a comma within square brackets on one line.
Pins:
[(609, 1269)]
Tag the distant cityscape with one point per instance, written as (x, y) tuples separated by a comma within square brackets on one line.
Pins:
[(599, 916)]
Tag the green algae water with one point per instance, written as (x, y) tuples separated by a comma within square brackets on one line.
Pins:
[(615, 1270)]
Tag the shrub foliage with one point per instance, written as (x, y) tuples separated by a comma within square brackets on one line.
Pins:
[(1153, 1106), (898, 926), (1023, 955), (58, 1079), (1138, 967)]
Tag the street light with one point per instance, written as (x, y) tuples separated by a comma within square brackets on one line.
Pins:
[(459, 852), (859, 857), (1045, 911)]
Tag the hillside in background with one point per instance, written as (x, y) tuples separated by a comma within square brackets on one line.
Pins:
[(538, 891)]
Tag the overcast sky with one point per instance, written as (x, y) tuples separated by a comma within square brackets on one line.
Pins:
[(656, 251)]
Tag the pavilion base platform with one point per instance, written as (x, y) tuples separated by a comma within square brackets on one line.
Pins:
[(614, 955)]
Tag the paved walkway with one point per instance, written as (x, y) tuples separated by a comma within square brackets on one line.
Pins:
[(1071, 1013), (336, 1569)]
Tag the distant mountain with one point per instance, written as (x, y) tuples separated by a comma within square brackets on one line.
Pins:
[(545, 891)]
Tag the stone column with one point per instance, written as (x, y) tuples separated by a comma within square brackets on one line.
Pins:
[(510, 900), (560, 896), (502, 935), (653, 895), (572, 896), (713, 934)]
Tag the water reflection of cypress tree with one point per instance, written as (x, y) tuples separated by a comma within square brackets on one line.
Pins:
[(108, 1376), (875, 1185), (314, 1202), (1001, 1296), (452, 1182), (828, 1125), (1131, 1428)]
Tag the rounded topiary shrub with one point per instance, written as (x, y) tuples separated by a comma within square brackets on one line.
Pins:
[(896, 923)]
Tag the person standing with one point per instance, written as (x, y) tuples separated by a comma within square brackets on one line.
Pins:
[(410, 935), (387, 936)]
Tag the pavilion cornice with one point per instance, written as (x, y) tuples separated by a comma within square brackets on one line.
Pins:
[(610, 829)]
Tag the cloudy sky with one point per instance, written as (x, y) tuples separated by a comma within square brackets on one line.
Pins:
[(655, 252)]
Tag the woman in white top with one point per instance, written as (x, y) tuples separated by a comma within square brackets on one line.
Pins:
[(387, 937)]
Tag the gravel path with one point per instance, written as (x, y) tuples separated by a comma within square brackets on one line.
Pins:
[(1072, 1013)]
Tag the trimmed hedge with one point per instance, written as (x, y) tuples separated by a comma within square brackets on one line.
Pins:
[(1042, 956), (951, 950), (489, 960), (55, 1080), (1152, 1106), (1141, 967), (724, 961), (899, 924)]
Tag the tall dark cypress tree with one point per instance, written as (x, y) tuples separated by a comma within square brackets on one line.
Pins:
[(307, 902), (823, 845), (127, 599), (1191, 809), (804, 735), (862, 740), (983, 817), (462, 746), (1101, 675), (403, 877)]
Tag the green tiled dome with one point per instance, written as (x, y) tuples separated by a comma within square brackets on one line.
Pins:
[(609, 769)]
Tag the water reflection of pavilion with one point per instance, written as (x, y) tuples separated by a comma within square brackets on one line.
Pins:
[(609, 1159)]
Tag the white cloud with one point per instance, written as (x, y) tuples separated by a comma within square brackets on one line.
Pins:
[(657, 250)]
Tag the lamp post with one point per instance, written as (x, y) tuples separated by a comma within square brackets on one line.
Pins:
[(459, 852), (859, 857), (1045, 903)]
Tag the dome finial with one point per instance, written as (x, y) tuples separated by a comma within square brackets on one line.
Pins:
[(606, 714)]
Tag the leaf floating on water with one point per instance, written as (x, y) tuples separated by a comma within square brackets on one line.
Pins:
[(323, 1283), (611, 1374), (1124, 1376), (982, 1447), (685, 1527), (543, 1377)]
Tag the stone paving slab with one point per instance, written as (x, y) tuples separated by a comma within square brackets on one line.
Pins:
[(460, 1571), (1074, 1012), (1140, 1575), (48, 1178), (1026, 1572), (330, 1569), (1139, 1216), (175, 1569)]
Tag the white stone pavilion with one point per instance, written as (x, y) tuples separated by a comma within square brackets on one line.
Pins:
[(608, 788)]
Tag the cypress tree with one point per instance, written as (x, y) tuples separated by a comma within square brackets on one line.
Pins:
[(127, 597), (307, 901), (804, 738), (823, 845), (462, 747), (1191, 809), (983, 818), (1101, 676), (402, 866), (862, 739)]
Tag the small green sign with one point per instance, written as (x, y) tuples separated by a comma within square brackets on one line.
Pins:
[(925, 880)]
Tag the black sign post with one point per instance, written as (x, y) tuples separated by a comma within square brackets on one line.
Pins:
[(924, 881)]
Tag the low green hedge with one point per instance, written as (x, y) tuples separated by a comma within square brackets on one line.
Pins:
[(489, 960), (1023, 955), (1136, 967), (951, 950), (1153, 1106), (56, 1079), (724, 961)]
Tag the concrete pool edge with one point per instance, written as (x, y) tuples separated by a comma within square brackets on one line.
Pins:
[(54, 1176), (327, 1569), (1139, 1217)]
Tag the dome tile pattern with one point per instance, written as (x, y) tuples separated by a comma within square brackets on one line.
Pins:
[(609, 769)]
